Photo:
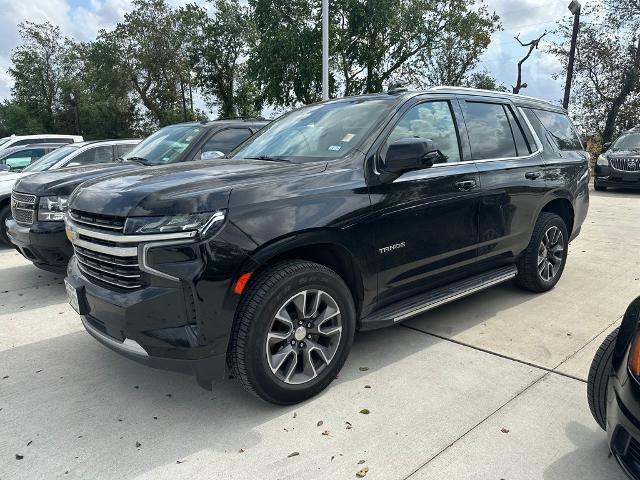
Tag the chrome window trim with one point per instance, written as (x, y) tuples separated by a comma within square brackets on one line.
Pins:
[(124, 238)]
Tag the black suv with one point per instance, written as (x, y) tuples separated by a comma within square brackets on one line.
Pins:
[(350, 214), (619, 164), (39, 201)]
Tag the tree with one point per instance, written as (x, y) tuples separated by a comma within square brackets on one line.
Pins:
[(39, 67), (532, 45), (218, 48), (607, 69), (151, 57), (484, 81)]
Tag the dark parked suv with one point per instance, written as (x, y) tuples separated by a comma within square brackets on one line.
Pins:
[(347, 215), (619, 165), (40, 200)]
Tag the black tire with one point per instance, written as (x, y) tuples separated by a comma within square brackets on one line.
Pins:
[(599, 188), (529, 277), (5, 213), (272, 288), (599, 378)]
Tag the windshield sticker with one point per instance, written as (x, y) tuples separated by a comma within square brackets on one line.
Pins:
[(335, 148), (348, 137)]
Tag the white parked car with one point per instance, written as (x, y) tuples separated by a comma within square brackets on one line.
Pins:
[(17, 140)]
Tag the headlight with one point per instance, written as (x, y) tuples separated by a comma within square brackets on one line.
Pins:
[(206, 223), (51, 209), (602, 161)]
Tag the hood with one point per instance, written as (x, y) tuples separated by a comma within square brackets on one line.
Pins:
[(8, 180), (186, 187), (63, 181)]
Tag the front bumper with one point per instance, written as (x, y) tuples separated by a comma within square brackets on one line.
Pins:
[(623, 424), (606, 176), (180, 324), (43, 243)]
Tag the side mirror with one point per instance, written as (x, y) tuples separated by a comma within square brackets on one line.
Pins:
[(606, 147), (211, 155), (4, 167), (407, 154)]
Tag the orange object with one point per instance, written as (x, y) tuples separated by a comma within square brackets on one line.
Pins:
[(634, 357), (242, 282)]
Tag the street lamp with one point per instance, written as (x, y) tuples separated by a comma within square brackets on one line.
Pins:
[(325, 49), (575, 8)]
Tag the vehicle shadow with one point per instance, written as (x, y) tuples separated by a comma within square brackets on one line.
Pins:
[(26, 288), (590, 459)]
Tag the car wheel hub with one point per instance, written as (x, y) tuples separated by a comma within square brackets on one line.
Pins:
[(551, 253)]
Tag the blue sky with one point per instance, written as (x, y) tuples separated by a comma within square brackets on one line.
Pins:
[(81, 19)]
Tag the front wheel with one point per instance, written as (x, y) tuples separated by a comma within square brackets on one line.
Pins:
[(293, 331), (599, 378), (5, 214), (542, 263)]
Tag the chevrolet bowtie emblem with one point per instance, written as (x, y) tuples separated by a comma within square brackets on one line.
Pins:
[(71, 234)]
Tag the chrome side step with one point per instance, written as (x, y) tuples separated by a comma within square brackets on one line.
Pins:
[(440, 296)]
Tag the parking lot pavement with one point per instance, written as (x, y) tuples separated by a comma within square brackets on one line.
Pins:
[(438, 401)]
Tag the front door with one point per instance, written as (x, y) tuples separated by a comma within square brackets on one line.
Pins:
[(426, 221)]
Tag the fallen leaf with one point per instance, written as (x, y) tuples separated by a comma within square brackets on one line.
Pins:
[(326, 432), (242, 450), (332, 457), (29, 442), (38, 371), (348, 425), (155, 418), (19, 457), (168, 395), (136, 386), (360, 462), (504, 430), (365, 411), (367, 386), (363, 369), (293, 454), (319, 424), (138, 444), (295, 414), (362, 472), (5, 377), (180, 461)]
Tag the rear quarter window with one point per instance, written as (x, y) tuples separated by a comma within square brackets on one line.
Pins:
[(558, 130)]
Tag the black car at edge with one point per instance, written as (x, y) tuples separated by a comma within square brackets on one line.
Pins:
[(351, 214), (39, 235), (613, 390), (619, 164)]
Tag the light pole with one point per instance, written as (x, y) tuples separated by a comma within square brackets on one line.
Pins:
[(575, 7), (325, 49)]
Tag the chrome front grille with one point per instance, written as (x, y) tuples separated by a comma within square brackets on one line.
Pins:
[(625, 164), (23, 208), (99, 222), (110, 258)]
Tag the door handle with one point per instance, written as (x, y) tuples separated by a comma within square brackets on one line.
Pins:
[(466, 185), (533, 175)]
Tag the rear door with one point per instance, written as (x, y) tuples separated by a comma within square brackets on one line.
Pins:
[(426, 221), (511, 167)]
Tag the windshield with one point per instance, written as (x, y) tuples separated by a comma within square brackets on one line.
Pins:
[(166, 145), (628, 141), (317, 132), (50, 159)]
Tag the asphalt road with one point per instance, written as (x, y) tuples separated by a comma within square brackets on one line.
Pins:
[(491, 387)]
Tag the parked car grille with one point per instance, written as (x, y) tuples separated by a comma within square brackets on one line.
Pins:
[(122, 272), (98, 222), (23, 207), (625, 164)]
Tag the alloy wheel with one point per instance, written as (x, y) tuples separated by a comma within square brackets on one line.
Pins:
[(304, 336), (551, 253)]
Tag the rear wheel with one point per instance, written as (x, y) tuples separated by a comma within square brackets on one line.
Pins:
[(293, 331), (5, 213), (599, 378)]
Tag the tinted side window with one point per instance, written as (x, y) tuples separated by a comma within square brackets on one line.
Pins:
[(431, 120), (22, 142), (559, 130), (56, 140), (102, 154), (489, 131), (22, 158), (518, 134), (226, 140), (124, 148)]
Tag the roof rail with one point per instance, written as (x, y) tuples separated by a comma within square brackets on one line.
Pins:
[(494, 92)]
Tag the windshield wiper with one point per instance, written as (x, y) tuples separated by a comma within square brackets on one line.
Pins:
[(269, 159), (140, 160)]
